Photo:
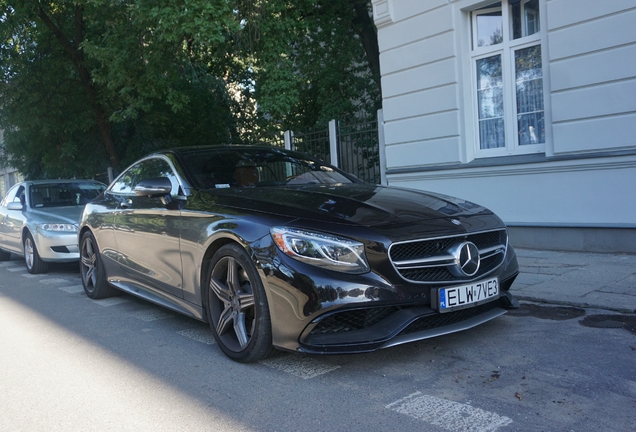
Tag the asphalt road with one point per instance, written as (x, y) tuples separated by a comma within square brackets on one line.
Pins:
[(68, 363)]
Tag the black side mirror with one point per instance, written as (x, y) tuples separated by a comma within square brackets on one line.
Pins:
[(157, 187)]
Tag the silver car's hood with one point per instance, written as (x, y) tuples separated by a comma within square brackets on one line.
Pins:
[(69, 214)]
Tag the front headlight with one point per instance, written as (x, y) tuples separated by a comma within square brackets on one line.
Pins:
[(58, 227), (322, 250)]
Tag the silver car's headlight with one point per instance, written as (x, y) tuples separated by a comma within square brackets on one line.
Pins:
[(321, 250), (58, 227)]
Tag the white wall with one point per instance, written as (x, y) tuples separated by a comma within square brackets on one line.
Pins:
[(419, 83), (592, 50), (587, 176)]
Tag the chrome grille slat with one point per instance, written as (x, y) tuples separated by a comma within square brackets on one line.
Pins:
[(428, 260)]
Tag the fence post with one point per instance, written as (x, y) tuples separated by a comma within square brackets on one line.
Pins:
[(288, 136), (333, 142), (381, 148)]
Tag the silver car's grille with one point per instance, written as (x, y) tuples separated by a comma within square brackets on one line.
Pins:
[(431, 260)]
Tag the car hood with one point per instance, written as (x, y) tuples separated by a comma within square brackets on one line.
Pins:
[(69, 215), (359, 204)]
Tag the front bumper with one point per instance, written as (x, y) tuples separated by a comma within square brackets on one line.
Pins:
[(314, 312), (369, 329), (56, 246)]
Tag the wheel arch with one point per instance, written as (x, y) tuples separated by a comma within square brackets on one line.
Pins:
[(82, 230), (25, 230), (216, 244), (212, 248)]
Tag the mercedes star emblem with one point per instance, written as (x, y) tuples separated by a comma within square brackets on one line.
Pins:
[(467, 259)]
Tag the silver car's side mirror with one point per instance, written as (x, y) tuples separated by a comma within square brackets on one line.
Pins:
[(15, 206)]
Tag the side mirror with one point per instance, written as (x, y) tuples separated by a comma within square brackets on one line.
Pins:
[(15, 206), (154, 187)]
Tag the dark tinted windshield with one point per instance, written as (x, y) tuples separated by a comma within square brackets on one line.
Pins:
[(257, 167), (64, 194)]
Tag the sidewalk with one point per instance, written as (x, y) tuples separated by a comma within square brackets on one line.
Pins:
[(603, 281)]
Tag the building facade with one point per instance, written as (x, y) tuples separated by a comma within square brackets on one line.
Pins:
[(525, 106)]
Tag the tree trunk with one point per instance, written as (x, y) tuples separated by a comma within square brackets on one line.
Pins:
[(77, 58), (365, 28)]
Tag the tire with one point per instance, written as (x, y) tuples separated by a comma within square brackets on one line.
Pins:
[(5, 256), (237, 308), (34, 263), (92, 269)]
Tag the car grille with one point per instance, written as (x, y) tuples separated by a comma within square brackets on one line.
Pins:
[(429, 261), (352, 320), (361, 319)]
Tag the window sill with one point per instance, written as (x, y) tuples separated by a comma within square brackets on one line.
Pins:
[(510, 160)]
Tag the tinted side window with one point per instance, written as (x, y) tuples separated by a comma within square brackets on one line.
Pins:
[(144, 170), (126, 183), (12, 195)]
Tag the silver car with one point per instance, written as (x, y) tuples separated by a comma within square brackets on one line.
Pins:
[(38, 220)]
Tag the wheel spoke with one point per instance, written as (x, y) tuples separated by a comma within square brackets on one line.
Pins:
[(246, 301), (225, 321), (221, 291), (88, 261), (91, 276), (232, 276), (239, 329), (89, 248)]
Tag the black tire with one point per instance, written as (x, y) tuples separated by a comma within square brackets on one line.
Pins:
[(5, 256), (92, 269), (34, 263), (237, 308)]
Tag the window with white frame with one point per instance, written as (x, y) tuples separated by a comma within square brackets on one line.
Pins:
[(508, 78)]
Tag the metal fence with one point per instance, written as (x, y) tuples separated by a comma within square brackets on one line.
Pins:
[(359, 151), (314, 141), (357, 148)]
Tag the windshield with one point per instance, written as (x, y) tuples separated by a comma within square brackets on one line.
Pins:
[(64, 194), (256, 168)]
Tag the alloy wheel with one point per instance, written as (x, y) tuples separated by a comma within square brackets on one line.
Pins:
[(88, 259), (28, 252), (232, 306)]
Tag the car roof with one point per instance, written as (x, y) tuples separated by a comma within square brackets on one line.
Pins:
[(219, 148), (54, 181)]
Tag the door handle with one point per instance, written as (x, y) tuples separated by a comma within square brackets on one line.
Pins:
[(125, 204)]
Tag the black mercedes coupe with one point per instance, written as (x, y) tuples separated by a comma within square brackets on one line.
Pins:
[(279, 250)]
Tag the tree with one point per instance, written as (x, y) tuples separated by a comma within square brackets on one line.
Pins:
[(86, 84), (310, 60), (89, 83)]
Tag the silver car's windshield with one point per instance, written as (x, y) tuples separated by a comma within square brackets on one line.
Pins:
[(64, 194), (257, 167)]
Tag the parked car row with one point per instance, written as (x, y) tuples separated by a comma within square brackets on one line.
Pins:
[(274, 249)]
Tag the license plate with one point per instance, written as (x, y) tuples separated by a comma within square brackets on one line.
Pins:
[(459, 297)]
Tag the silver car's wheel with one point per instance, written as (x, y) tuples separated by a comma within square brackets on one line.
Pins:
[(93, 277), (237, 308), (32, 258)]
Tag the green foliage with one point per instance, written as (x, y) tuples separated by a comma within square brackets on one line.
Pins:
[(87, 84), (309, 61)]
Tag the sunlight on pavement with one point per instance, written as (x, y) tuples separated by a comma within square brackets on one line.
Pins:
[(53, 380)]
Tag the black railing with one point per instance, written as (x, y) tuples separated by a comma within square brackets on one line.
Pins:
[(358, 147)]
